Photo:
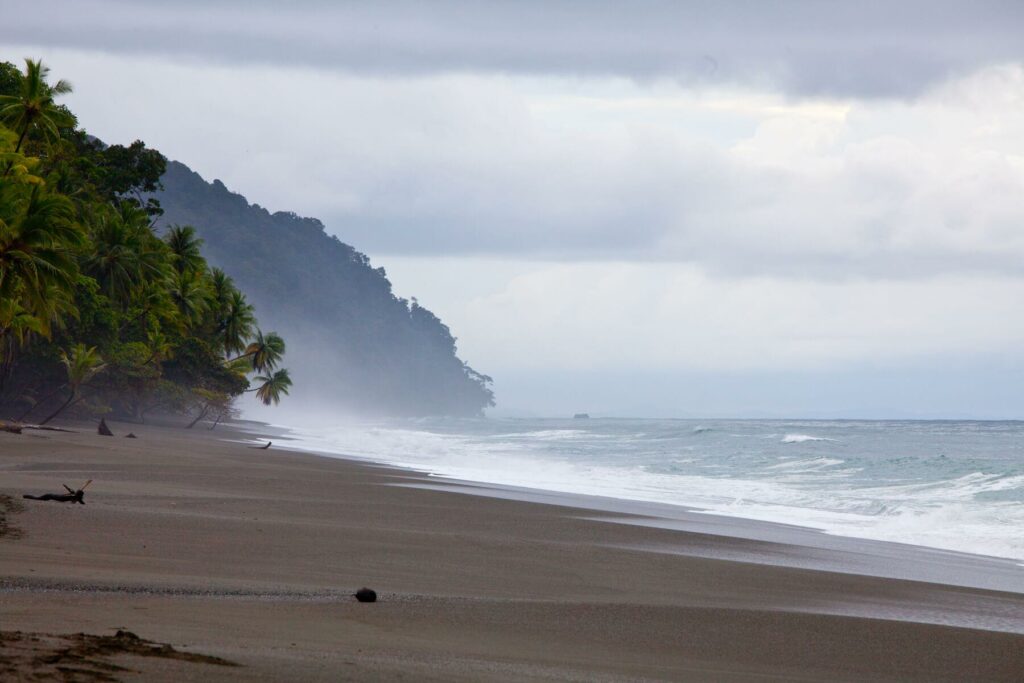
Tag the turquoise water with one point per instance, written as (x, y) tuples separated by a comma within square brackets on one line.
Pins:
[(946, 484)]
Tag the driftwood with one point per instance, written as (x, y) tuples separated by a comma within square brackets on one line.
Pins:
[(103, 429), (17, 427), (11, 427), (366, 595), (71, 496), (262, 448), (44, 428)]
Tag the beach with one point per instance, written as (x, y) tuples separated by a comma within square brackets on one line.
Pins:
[(195, 539)]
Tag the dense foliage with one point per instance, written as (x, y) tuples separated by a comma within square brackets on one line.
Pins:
[(353, 344), (99, 313)]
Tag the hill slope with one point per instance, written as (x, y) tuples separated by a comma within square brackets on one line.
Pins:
[(351, 341)]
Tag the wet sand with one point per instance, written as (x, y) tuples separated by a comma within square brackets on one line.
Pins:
[(251, 557)]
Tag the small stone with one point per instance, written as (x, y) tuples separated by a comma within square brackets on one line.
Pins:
[(366, 595)]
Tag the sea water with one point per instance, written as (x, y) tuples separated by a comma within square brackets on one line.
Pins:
[(956, 485)]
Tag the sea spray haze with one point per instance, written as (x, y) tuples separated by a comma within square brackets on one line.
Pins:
[(353, 343), (957, 485)]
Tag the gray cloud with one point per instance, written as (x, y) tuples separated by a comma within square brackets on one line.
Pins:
[(804, 47)]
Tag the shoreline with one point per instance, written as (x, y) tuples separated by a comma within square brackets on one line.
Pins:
[(252, 556), (838, 552)]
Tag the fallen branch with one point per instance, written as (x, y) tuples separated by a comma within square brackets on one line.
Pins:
[(48, 429), (11, 427), (17, 427)]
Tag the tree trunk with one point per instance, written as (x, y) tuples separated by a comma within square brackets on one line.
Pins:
[(200, 416), (61, 409), (40, 402), (21, 139)]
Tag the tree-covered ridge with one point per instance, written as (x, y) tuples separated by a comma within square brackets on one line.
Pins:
[(353, 343), (98, 312)]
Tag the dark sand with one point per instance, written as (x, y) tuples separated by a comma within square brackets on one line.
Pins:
[(251, 557)]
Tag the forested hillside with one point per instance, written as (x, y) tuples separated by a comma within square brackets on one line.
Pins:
[(99, 314), (351, 342)]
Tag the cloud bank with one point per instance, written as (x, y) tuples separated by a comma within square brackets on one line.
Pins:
[(863, 49)]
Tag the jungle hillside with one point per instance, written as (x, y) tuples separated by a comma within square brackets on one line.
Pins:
[(101, 313), (130, 286)]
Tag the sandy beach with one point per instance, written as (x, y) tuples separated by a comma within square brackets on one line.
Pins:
[(244, 561)]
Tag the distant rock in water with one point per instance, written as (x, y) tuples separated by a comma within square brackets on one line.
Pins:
[(366, 595), (352, 344), (581, 416)]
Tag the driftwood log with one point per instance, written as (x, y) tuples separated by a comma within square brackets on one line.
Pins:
[(262, 448), (71, 496), (13, 428)]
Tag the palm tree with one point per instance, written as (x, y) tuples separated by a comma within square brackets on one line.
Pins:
[(264, 352), (34, 106), (16, 324), (221, 287), (190, 293), (237, 323), (273, 387), (125, 253), (185, 247), (37, 234), (82, 364)]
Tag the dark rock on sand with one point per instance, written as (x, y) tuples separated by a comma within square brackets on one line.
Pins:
[(366, 595), (130, 435), (103, 429)]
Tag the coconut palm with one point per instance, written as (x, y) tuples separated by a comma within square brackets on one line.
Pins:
[(185, 248), (221, 289), (273, 387), (125, 253), (264, 352), (34, 106), (190, 292), (82, 364), (37, 234), (236, 324)]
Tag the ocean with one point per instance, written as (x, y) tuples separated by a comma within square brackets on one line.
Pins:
[(955, 485)]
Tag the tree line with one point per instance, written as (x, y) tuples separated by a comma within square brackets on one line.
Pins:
[(101, 312)]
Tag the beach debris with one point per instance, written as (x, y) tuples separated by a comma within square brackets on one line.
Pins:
[(130, 435), (72, 496), (262, 448), (103, 429), (366, 595)]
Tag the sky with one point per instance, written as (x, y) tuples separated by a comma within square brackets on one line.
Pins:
[(648, 208)]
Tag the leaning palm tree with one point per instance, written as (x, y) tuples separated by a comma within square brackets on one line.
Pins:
[(34, 107), (82, 364), (264, 352), (273, 387)]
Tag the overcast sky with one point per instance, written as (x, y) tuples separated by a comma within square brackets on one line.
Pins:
[(720, 208)]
